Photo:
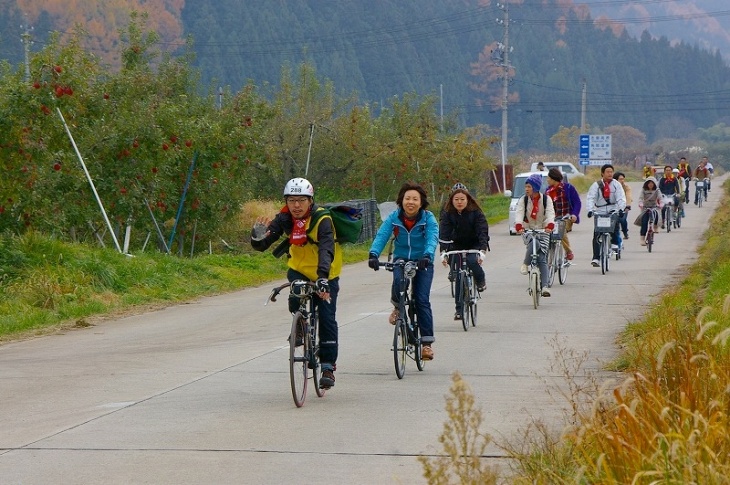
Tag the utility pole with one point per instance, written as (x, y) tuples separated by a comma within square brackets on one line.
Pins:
[(27, 41), (583, 108), (504, 51)]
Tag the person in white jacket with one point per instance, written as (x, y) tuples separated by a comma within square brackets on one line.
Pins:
[(537, 212), (604, 197)]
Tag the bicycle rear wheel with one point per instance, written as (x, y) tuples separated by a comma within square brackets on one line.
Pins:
[(552, 262), (298, 362), (562, 265), (535, 289), (400, 347), (464, 292)]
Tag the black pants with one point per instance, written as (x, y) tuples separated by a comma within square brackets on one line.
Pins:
[(328, 331)]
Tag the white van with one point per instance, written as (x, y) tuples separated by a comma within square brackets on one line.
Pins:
[(566, 168), (518, 190)]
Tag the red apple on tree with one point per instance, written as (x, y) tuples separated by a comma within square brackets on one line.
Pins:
[(58, 69), (165, 146), (56, 166)]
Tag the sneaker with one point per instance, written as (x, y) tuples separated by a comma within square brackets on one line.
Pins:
[(426, 352), (642, 242), (523, 269), (327, 379), (569, 256), (626, 235), (457, 316), (662, 225), (452, 276), (546, 292), (393, 316), (614, 247), (595, 263), (655, 228), (481, 287)]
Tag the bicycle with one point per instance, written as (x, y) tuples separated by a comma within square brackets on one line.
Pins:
[(604, 226), (653, 219), (303, 341), (406, 336), (466, 287), (700, 191), (669, 210), (535, 237), (557, 263)]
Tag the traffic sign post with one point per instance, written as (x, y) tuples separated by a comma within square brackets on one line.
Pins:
[(594, 149)]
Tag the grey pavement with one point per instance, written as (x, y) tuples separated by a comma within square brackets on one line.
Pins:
[(199, 392)]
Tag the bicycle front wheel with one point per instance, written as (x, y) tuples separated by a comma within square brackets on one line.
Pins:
[(298, 361), (649, 240), (314, 362), (605, 248), (400, 347), (417, 346), (535, 289), (464, 292)]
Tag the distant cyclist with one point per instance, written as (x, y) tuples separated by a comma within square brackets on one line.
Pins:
[(463, 224), (605, 196), (710, 169), (648, 170), (701, 173), (538, 213), (566, 201), (623, 221), (685, 174), (669, 187), (649, 198)]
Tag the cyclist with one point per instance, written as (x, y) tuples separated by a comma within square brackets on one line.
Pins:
[(566, 201), (685, 173), (464, 225), (711, 169), (669, 186), (415, 234), (650, 198), (539, 213), (624, 221), (313, 257), (648, 170), (682, 191), (701, 173), (604, 196)]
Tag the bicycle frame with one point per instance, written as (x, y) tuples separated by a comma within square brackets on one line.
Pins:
[(468, 302), (534, 288)]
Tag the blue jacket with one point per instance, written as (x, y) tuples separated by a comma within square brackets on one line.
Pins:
[(420, 242)]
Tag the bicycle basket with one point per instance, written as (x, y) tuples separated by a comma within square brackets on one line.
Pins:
[(558, 231), (301, 288), (605, 223), (699, 185)]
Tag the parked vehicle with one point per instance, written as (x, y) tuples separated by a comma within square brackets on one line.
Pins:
[(566, 168)]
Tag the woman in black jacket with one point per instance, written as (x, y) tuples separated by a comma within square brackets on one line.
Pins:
[(463, 226)]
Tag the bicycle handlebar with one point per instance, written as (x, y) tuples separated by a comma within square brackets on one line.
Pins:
[(461, 251), (275, 292)]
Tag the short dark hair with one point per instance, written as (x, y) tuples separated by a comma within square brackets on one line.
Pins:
[(412, 186), (605, 166)]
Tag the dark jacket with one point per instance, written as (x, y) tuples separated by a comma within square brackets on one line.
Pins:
[(468, 230)]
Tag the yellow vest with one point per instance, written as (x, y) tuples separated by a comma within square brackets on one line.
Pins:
[(305, 259)]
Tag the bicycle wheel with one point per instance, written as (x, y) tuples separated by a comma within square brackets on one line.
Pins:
[(563, 265), (298, 361), (535, 288), (473, 305), (649, 240), (678, 220), (400, 347), (552, 262), (417, 354), (314, 362), (464, 292), (699, 201), (605, 248)]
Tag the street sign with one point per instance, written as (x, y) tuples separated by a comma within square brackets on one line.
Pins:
[(594, 148), (584, 161)]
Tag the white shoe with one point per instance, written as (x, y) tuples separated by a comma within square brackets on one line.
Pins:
[(523, 269), (545, 292), (595, 263), (614, 246)]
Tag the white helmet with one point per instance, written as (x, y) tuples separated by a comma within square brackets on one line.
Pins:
[(299, 186)]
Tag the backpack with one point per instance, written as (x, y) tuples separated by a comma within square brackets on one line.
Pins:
[(346, 219), (544, 206)]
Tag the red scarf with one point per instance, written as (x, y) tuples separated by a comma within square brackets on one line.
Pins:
[(409, 223), (606, 189), (535, 205), (298, 236)]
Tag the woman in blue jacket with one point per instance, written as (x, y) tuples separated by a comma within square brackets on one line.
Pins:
[(415, 232)]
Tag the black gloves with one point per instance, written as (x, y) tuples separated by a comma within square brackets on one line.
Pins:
[(323, 286), (424, 262), (620, 213), (373, 262), (590, 214)]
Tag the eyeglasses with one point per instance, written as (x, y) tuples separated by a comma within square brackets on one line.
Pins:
[(298, 200)]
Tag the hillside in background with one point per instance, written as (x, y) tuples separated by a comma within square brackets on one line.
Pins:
[(660, 85)]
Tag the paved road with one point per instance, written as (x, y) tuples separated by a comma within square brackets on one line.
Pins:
[(199, 393)]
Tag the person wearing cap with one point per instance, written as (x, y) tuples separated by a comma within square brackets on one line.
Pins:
[(540, 167), (538, 213), (669, 187), (685, 174), (463, 226), (624, 221), (566, 202), (649, 198), (313, 256), (605, 196)]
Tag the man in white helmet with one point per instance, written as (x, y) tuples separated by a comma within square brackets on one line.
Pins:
[(313, 255)]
